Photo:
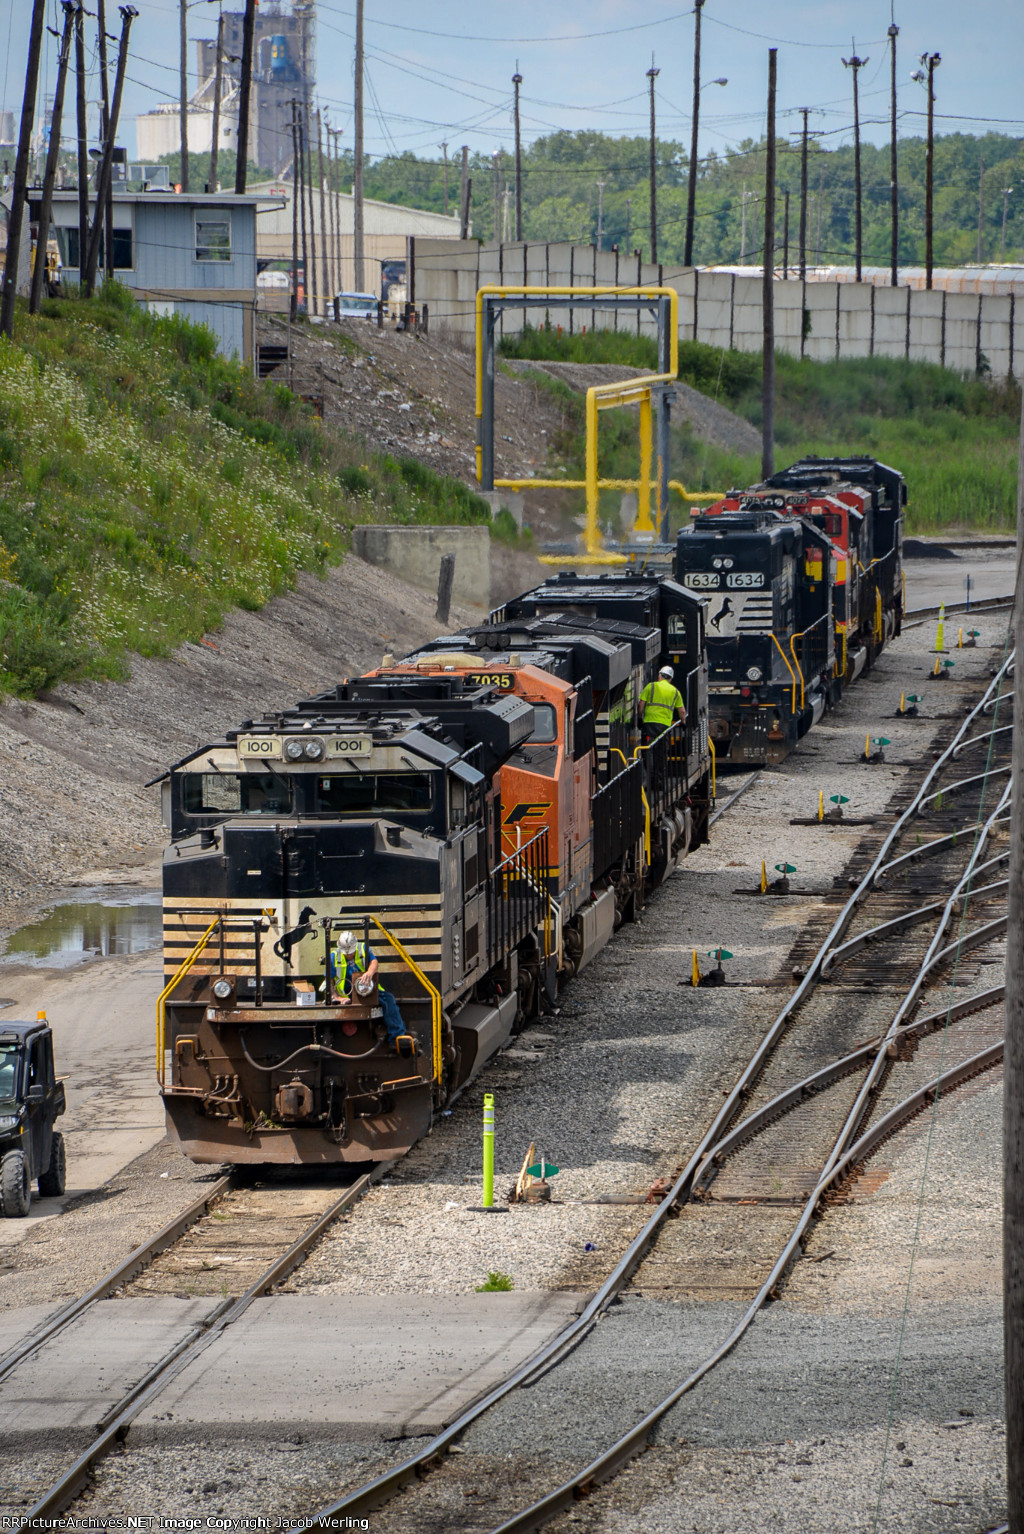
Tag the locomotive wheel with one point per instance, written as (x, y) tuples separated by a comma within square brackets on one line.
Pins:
[(53, 1181), (15, 1188)]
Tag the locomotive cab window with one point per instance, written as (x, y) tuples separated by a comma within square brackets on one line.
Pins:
[(545, 728), (375, 793), (232, 793)]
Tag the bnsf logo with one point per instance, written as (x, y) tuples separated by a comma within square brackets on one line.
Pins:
[(523, 812)]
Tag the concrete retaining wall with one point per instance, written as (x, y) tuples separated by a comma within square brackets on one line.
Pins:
[(414, 553), (822, 319)]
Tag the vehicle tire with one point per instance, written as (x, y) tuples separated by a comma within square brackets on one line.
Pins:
[(15, 1188), (53, 1181)]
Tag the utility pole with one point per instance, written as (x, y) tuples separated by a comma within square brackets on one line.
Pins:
[(53, 151), (629, 223), (600, 213), (128, 15), (517, 81), (217, 81), (496, 162), (183, 90), (821, 205), (981, 202), (931, 60), (856, 64), (331, 261), (1002, 243), (324, 269), (893, 33), (464, 195), (743, 225), (314, 285), (1013, 1072), (293, 307), (768, 285), (652, 75), (108, 212), (691, 189), (244, 95), (302, 212), (803, 196), (17, 215), (83, 146), (785, 239), (444, 151), (357, 168)]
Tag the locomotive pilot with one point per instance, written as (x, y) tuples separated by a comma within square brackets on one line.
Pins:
[(352, 960), (658, 702)]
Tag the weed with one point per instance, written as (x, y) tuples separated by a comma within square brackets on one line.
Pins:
[(496, 1282), (147, 485)]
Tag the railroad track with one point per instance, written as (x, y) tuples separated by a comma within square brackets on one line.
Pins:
[(962, 852), (231, 1245)]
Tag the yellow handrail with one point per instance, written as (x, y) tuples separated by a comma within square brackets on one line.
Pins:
[(435, 994), (161, 1007), (714, 769), (790, 670)]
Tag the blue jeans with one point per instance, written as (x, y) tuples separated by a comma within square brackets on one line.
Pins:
[(392, 1017)]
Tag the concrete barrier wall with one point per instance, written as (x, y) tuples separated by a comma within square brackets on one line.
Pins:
[(414, 553), (821, 320)]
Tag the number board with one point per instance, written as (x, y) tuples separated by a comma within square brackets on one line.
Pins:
[(740, 580), (349, 745), (505, 680), (702, 580), (265, 748)]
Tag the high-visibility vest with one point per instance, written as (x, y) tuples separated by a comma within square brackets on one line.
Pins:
[(660, 700), (341, 961)]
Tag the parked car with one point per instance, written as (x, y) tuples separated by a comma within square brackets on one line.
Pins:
[(31, 1098), (356, 306)]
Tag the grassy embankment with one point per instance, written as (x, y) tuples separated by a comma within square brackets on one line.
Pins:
[(954, 438), (148, 485)]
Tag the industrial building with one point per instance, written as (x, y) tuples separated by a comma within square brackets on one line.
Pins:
[(284, 66), (387, 227)]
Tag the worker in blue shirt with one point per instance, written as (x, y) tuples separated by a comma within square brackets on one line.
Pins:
[(350, 960)]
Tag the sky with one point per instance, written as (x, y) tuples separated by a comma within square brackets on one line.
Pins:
[(443, 72)]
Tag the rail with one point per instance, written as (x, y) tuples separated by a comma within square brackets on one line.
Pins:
[(374, 1492), (161, 1001), (428, 986)]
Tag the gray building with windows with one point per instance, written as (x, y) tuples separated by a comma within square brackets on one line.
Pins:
[(193, 255)]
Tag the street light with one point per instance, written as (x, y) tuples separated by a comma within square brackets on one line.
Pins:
[(926, 76)]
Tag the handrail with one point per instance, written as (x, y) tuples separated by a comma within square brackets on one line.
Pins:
[(714, 769), (791, 672), (435, 994), (161, 1001), (792, 651)]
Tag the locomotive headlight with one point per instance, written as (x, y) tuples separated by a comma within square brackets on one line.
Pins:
[(314, 750), (753, 673), (716, 564), (222, 989), (364, 985), (293, 750), (727, 563)]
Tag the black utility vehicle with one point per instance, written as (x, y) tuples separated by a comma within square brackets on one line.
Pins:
[(31, 1099)]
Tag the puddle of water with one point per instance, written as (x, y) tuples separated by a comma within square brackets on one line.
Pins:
[(125, 922)]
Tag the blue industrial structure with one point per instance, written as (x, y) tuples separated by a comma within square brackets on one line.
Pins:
[(193, 255)]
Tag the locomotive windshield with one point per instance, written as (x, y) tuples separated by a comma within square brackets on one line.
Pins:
[(375, 793), (545, 728), (233, 793), (10, 1055)]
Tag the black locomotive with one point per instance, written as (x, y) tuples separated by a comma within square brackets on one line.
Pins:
[(477, 817), (804, 581)]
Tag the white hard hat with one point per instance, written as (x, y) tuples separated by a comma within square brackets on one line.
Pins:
[(347, 942), (667, 671)]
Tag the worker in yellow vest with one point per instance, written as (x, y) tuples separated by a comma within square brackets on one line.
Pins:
[(659, 702), (354, 967)]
